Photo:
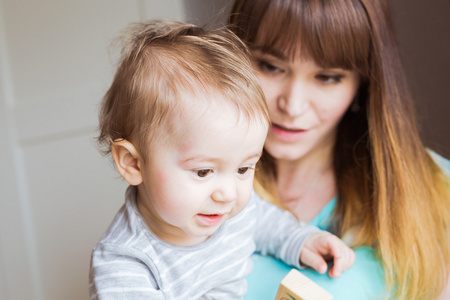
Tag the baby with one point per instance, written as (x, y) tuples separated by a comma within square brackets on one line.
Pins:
[(185, 121)]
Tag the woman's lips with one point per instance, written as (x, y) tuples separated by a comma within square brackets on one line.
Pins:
[(287, 134)]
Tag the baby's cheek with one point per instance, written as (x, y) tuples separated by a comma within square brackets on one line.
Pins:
[(244, 199), (173, 209), (161, 176)]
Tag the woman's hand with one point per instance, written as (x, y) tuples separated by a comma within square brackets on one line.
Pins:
[(322, 247)]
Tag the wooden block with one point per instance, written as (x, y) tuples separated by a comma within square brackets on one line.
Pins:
[(296, 286)]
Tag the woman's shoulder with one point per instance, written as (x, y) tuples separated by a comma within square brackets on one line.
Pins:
[(441, 161)]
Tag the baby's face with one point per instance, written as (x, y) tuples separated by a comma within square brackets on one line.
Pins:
[(193, 186)]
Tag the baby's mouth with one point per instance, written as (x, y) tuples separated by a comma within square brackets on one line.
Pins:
[(210, 219)]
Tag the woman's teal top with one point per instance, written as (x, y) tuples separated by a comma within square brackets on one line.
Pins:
[(364, 280)]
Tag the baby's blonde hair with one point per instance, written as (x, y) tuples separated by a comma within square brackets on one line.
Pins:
[(165, 71)]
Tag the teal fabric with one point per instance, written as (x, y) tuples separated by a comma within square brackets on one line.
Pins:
[(441, 162), (357, 283), (363, 281), (323, 219)]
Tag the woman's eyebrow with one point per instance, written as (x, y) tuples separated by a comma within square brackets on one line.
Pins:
[(271, 51)]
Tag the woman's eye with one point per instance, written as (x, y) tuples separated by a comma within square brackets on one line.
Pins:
[(325, 78), (243, 170), (203, 172), (267, 67)]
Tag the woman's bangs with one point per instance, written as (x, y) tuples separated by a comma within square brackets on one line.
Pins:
[(334, 36)]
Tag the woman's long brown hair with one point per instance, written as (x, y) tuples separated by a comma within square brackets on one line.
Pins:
[(388, 185)]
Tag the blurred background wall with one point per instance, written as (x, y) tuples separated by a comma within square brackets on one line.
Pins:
[(423, 35), (57, 193)]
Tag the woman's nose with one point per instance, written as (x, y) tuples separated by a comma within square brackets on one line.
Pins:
[(293, 99)]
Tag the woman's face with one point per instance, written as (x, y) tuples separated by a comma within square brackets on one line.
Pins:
[(306, 103)]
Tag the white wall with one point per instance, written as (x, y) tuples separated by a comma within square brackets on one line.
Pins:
[(57, 193)]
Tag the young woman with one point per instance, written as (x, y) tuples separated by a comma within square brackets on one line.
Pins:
[(343, 150)]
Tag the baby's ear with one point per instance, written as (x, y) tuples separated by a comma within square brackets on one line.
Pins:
[(126, 158)]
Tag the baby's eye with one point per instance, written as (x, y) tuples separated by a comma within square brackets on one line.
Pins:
[(243, 170), (202, 173)]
